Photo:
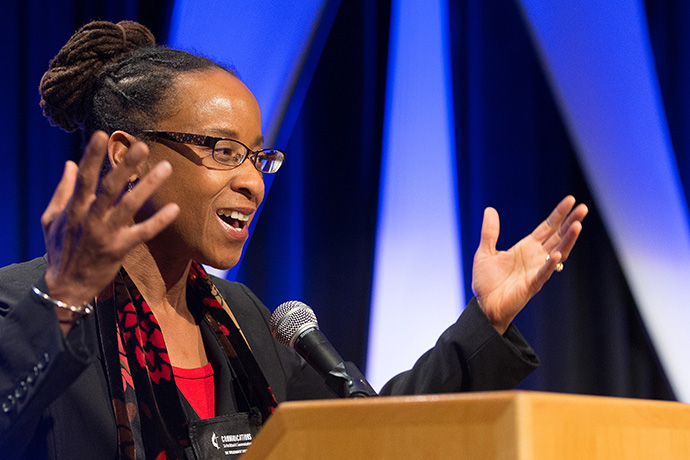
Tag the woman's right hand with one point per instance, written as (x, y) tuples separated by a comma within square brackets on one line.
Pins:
[(88, 232)]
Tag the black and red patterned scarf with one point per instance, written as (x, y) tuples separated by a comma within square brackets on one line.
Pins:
[(151, 421)]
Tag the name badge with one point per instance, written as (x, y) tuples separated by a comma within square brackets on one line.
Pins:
[(224, 437)]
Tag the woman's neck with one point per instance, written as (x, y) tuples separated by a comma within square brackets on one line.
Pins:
[(162, 283)]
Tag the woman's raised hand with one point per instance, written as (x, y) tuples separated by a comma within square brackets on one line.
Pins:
[(89, 230), (504, 281)]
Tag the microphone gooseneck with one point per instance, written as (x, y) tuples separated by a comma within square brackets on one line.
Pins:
[(294, 325)]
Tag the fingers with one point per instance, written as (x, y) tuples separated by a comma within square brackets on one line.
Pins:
[(89, 230), (89, 170), (490, 230), (576, 215), (555, 219), (62, 194), (568, 232), (114, 182), (561, 229), (149, 228), (545, 272), (134, 199), (568, 241)]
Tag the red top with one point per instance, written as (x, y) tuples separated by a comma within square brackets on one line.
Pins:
[(197, 386)]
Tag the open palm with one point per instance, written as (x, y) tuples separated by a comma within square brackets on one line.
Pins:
[(504, 281)]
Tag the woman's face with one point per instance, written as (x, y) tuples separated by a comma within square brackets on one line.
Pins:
[(216, 202)]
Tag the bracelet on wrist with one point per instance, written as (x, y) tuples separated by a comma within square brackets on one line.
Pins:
[(83, 309)]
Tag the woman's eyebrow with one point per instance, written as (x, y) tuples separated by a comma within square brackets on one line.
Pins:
[(222, 132), (231, 134)]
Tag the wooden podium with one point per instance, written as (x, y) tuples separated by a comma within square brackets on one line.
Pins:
[(492, 425)]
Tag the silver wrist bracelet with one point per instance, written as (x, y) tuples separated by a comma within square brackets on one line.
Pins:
[(83, 309)]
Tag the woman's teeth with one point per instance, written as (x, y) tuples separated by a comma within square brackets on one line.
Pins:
[(233, 217)]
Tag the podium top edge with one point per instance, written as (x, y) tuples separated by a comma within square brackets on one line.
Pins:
[(510, 396)]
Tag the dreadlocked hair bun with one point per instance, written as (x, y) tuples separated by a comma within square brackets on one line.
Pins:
[(69, 81)]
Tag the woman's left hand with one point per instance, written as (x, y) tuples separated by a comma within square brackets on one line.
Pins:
[(504, 281)]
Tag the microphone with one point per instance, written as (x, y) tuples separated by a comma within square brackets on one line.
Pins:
[(293, 324)]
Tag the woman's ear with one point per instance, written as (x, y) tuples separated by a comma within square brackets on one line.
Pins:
[(118, 144)]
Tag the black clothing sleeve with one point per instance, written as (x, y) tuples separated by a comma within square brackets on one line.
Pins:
[(469, 356), (38, 363), (53, 388)]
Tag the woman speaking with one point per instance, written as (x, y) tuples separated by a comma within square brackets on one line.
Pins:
[(117, 344)]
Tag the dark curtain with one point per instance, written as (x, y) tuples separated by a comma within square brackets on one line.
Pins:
[(515, 155), (34, 152), (670, 34), (315, 239)]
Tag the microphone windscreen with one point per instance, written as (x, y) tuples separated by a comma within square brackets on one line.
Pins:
[(289, 320)]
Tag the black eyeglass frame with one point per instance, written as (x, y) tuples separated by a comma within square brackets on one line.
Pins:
[(210, 142)]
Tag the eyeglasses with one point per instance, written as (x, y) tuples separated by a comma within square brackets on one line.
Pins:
[(228, 152)]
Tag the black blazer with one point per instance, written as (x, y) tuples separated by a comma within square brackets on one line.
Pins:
[(54, 400)]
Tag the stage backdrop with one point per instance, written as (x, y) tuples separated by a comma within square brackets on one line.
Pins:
[(404, 121)]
